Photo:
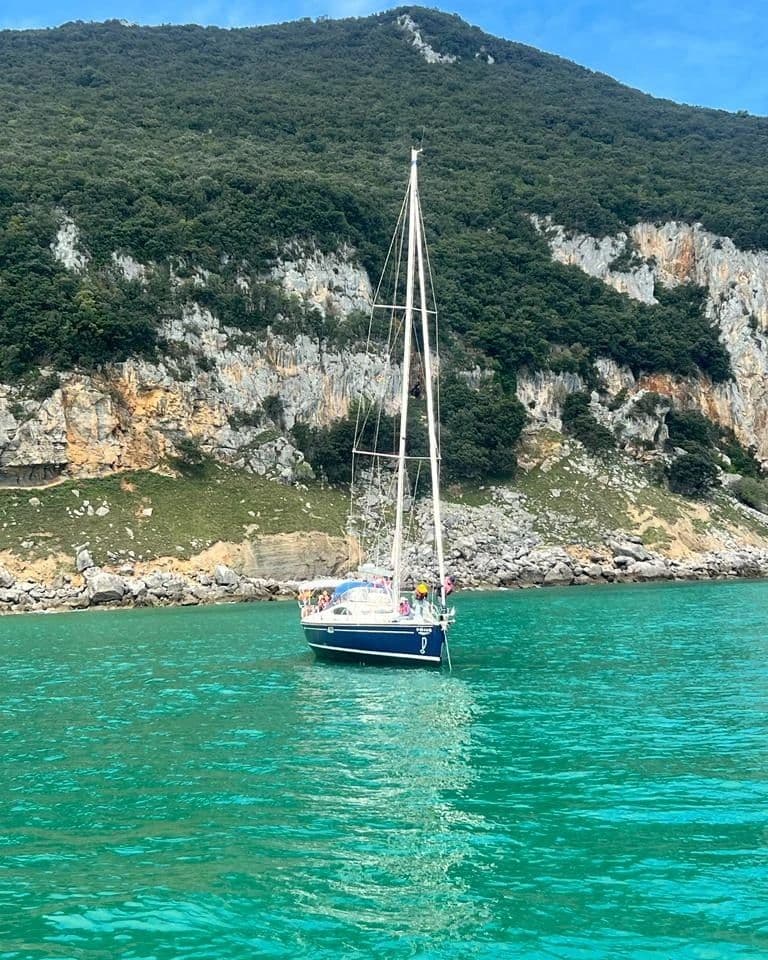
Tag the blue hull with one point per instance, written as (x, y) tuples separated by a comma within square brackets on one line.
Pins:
[(404, 643)]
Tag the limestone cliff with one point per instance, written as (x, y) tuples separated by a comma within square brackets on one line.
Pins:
[(736, 285), (217, 384), (220, 384)]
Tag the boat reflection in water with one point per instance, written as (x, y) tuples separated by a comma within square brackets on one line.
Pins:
[(387, 767)]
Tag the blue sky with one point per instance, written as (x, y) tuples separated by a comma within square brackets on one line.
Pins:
[(704, 52)]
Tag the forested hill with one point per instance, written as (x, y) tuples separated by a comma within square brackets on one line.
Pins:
[(203, 143)]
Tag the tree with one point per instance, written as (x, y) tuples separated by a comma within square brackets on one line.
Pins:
[(579, 421), (752, 492), (692, 475), (190, 459), (481, 429)]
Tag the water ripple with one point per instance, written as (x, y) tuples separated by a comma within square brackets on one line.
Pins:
[(590, 782)]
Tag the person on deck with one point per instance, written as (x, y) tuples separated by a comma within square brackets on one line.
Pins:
[(421, 593)]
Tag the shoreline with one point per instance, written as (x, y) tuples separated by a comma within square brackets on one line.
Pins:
[(102, 588)]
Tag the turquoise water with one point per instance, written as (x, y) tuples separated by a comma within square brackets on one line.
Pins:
[(591, 781)]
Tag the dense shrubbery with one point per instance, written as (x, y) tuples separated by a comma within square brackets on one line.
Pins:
[(752, 492), (690, 430), (190, 459), (49, 316), (579, 421), (328, 449), (692, 474), (480, 431), (196, 142), (742, 460), (649, 404), (707, 445), (693, 432)]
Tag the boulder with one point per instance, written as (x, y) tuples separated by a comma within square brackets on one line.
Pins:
[(530, 575), (136, 587), (253, 591), (105, 587), (156, 580), (79, 602), (225, 576), (560, 575), (7, 579), (84, 560), (173, 587), (628, 548), (651, 570)]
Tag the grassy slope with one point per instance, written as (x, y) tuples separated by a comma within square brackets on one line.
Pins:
[(188, 514), (576, 501)]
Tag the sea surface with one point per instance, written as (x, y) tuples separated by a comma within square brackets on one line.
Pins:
[(591, 781)]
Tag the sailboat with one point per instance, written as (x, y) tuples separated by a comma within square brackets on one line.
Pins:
[(372, 616)]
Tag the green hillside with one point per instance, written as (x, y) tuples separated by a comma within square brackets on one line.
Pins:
[(199, 142)]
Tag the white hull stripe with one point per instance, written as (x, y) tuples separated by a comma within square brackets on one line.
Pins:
[(374, 653), (370, 627)]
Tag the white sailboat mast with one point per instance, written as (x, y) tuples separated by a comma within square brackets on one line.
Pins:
[(397, 546), (434, 452)]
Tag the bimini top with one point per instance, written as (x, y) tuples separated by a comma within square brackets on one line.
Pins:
[(359, 590)]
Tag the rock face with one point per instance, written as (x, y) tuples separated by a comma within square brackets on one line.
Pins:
[(67, 247), (736, 283), (297, 556), (409, 26), (542, 395), (236, 393), (335, 285)]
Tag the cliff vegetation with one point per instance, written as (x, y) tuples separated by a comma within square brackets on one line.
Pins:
[(217, 147)]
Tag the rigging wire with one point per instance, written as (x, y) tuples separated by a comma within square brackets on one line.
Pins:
[(374, 407), (433, 298)]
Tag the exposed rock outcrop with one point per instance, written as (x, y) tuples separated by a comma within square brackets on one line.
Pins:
[(216, 385), (335, 285), (67, 248), (736, 283), (409, 26), (217, 382)]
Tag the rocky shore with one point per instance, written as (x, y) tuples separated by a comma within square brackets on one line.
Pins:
[(94, 586), (620, 560)]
